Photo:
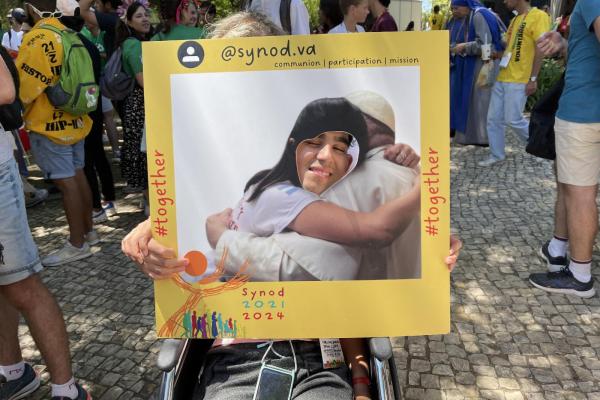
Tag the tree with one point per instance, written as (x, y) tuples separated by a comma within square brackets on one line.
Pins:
[(6, 5)]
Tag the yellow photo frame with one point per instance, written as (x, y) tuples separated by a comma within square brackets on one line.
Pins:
[(209, 103)]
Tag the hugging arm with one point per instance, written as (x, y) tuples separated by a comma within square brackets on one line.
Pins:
[(7, 90), (378, 228)]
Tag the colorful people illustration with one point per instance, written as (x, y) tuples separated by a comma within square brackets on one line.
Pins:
[(220, 323), (194, 321), (203, 326), (187, 324), (215, 332)]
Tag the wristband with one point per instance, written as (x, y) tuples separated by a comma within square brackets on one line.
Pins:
[(361, 379)]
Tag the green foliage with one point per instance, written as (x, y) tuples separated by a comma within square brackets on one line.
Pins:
[(227, 7), (313, 12), (549, 73), (6, 5)]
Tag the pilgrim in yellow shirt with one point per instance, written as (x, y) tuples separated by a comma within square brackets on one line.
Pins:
[(522, 33), (39, 63), (436, 21)]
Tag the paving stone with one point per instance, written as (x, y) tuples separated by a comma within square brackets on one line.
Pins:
[(429, 381), (487, 382), (420, 365)]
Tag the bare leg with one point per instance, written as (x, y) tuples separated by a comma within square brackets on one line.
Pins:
[(582, 220), (10, 351), (33, 300), (560, 213), (73, 206)]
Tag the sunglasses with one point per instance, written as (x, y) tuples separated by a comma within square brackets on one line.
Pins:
[(44, 14)]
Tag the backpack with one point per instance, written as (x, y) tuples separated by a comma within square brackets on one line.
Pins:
[(76, 91), (541, 142), (116, 84)]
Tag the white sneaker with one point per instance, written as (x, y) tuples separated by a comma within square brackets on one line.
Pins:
[(92, 237), (35, 198), (491, 160), (109, 208), (99, 216), (67, 254)]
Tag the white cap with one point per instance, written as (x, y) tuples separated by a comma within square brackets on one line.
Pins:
[(67, 7), (375, 106)]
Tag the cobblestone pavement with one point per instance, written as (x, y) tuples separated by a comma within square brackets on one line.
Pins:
[(508, 340)]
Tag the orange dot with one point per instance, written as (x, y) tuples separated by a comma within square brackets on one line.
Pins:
[(198, 263)]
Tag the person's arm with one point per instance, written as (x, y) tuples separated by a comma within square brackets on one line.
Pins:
[(160, 262), (596, 27), (402, 154), (7, 89), (538, 30), (323, 220), (531, 86), (132, 54), (552, 43), (356, 356), (87, 13), (5, 41), (139, 77)]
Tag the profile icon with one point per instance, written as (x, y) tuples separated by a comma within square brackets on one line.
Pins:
[(190, 54)]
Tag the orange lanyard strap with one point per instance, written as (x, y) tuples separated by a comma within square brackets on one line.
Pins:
[(510, 30)]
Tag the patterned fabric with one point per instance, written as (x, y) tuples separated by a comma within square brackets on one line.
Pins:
[(133, 162)]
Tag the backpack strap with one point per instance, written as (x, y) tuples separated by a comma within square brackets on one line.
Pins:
[(284, 15)]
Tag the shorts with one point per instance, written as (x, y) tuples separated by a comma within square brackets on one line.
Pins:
[(57, 161), (106, 105), (19, 257), (577, 152)]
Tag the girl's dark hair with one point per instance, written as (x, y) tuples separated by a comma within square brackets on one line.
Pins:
[(114, 3), (123, 31), (332, 11), (345, 5), (318, 116), (168, 12)]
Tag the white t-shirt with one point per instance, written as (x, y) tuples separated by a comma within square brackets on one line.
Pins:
[(341, 28), (299, 18), (14, 41), (272, 211)]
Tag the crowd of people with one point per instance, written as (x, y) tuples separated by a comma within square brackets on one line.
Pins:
[(493, 69), (485, 103)]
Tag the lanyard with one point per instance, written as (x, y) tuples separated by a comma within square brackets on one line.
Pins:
[(510, 30)]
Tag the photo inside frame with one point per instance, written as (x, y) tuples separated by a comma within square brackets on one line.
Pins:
[(252, 121)]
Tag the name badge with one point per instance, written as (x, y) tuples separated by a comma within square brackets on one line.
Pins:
[(331, 352), (505, 60)]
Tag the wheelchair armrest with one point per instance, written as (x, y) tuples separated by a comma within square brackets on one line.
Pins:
[(170, 352), (381, 348)]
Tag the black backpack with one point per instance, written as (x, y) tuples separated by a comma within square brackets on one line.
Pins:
[(541, 124), (116, 84), (11, 115)]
